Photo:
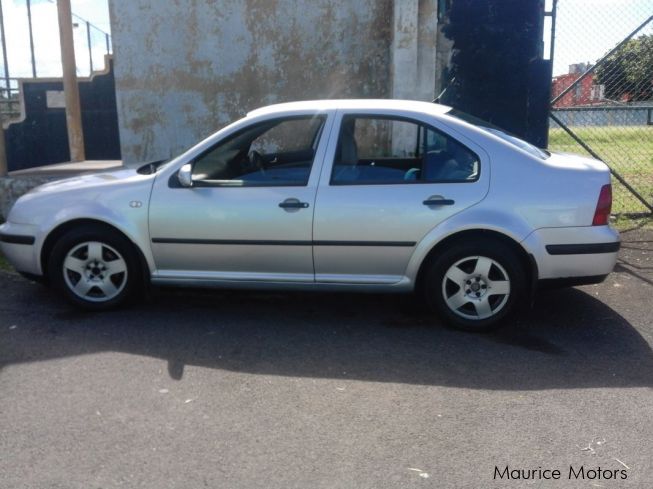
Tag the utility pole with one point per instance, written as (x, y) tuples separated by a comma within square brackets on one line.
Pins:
[(70, 86)]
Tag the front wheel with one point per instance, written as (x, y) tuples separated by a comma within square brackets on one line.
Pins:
[(94, 268), (476, 287)]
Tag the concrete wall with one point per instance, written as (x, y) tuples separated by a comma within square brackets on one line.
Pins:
[(186, 68), (413, 58), (605, 116), (414, 49)]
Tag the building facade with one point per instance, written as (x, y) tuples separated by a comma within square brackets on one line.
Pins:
[(586, 92)]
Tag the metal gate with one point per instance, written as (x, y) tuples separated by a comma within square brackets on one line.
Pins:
[(603, 104)]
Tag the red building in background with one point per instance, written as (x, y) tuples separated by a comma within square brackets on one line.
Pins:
[(584, 93)]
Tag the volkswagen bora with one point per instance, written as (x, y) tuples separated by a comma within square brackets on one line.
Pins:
[(352, 195)]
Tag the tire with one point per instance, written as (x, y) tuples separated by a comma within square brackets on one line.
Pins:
[(95, 268), (486, 281)]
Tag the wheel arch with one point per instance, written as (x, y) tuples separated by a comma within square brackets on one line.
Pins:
[(61, 229), (527, 259)]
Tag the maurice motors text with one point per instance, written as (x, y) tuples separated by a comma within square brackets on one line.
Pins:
[(574, 473)]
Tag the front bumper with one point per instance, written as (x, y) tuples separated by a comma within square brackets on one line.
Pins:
[(574, 252), (17, 243)]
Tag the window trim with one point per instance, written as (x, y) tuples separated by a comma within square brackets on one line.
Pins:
[(173, 182), (405, 182)]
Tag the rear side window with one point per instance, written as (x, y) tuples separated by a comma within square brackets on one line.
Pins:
[(502, 133), (386, 150)]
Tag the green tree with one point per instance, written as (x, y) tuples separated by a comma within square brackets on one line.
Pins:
[(628, 73)]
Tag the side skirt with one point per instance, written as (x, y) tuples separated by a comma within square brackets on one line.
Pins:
[(403, 286)]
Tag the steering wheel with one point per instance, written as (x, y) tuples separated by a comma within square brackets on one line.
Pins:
[(256, 160), (412, 174)]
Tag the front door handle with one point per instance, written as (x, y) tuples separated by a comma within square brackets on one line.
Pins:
[(293, 204), (438, 200)]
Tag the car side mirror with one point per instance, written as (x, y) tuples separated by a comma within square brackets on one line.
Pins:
[(185, 175)]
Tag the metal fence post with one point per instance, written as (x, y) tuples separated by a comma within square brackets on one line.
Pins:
[(90, 50), (31, 36), (553, 13), (4, 53)]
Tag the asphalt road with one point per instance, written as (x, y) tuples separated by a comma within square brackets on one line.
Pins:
[(238, 389)]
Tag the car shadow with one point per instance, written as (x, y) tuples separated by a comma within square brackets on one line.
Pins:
[(568, 340), (633, 258)]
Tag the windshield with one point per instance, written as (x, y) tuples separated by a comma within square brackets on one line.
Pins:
[(497, 131)]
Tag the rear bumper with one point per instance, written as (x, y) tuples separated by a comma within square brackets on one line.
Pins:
[(574, 255)]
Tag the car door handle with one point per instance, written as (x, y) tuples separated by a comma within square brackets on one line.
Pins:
[(293, 204), (438, 201)]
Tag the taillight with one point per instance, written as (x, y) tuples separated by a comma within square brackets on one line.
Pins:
[(603, 206)]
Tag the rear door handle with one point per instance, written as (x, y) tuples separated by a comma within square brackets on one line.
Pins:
[(293, 204), (438, 201)]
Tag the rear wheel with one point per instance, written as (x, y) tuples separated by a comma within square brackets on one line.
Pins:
[(94, 268), (476, 286)]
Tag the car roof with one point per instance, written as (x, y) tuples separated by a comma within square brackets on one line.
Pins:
[(374, 104)]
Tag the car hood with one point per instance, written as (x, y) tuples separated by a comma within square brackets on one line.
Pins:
[(86, 181), (84, 194)]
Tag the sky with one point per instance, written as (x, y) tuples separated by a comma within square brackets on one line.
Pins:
[(585, 31)]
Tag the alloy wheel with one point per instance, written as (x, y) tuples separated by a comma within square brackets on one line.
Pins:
[(95, 271), (476, 287)]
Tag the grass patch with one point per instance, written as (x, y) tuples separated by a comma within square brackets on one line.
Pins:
[(625, 223), (4, 264), (626, 149)]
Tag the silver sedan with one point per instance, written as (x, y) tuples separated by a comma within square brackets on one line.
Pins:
[(350, 195)]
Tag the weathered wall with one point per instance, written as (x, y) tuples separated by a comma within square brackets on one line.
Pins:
[(186, 68), (413, 55)]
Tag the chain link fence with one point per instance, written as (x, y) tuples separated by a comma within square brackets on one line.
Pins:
[(602, 92)]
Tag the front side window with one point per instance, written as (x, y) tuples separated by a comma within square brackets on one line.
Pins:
[(278, 152), (386, 150)]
